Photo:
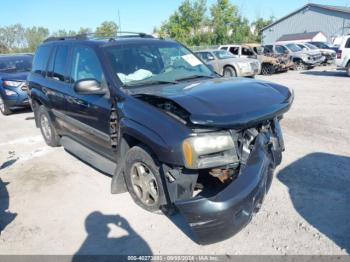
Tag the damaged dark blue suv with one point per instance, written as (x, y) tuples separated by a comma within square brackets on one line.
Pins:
[(169, 130)]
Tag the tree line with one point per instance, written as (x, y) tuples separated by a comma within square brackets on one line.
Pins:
[(193, 24), (18, 39)]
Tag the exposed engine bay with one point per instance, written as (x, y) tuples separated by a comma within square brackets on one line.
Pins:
[(168, 106), (211, 181)]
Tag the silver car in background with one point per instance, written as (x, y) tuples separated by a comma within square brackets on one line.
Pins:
[(228, 65), (329, 54)]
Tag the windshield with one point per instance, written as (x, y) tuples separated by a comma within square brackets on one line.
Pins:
[(294, 47), (154, 62), (310, 46), (15, 64), (321, 45), (223, 54)]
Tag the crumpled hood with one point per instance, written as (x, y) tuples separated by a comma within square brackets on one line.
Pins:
[(236, 102)]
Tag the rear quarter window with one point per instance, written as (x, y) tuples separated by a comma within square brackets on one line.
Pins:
[(347, 45), (41, 59)]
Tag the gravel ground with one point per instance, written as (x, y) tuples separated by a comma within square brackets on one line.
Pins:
[(55, 204)]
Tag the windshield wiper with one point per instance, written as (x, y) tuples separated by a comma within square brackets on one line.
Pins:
[(194, 77), (150, 82)]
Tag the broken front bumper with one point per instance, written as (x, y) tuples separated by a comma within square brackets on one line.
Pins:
[(218, 218)]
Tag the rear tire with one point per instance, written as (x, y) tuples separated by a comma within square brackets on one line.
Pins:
[(267, 69), (299, 66), (47, 128), (5, 110), (229, 72), (348, 70), (142, 177)]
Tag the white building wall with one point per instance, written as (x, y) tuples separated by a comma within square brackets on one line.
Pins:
[(311, 19)]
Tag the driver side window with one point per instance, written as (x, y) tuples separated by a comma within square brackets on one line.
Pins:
[(85, 65), (280, 49)]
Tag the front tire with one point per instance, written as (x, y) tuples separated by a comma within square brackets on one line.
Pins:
[(5, 110), (229, 72), (48, 131), (142, 177), (348, 70)]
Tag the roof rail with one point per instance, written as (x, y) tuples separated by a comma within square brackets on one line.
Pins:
[(91, 36)]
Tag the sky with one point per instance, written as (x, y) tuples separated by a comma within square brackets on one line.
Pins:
[(135, 15)]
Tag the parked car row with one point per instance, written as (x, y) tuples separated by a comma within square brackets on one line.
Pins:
[(270, 63), (166, 128), (241, 60)]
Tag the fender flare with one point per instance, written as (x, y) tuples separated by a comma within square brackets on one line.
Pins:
[(131, 129)]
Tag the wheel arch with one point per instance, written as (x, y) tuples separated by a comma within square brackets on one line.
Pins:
[(231, 66), (131, 136)]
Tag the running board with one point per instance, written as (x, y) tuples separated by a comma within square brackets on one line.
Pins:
[(87, 155)]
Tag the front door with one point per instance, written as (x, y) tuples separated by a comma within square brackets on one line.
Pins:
[(88, 115)]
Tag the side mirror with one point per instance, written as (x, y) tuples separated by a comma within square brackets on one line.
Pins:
[(210, 58), (88, 86), (286, 52)]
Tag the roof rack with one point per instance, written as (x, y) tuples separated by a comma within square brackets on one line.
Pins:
[(98, 36)]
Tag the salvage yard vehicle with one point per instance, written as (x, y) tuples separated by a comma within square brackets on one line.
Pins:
[(224, 63), (270, 64), (343, 55), (13, 89), (329, 54), (169, 130), (324, 45), (302, 59)]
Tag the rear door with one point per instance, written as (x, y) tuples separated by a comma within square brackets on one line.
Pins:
[(58, 84), (88, 115)]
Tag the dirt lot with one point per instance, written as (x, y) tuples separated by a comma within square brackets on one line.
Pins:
[(59, 205)]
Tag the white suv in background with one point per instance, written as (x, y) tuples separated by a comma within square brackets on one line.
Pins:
[(343, 54)]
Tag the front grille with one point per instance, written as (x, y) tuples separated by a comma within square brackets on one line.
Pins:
[(316, 57), (254, 66)]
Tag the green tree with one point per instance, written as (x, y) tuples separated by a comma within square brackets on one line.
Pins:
[(259, 24), (34, 36), (84, 30), (107, 28), (63, 32), (224, 17), (3, 49), (12, 37), (186, 23)]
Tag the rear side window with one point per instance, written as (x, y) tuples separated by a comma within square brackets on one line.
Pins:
[(204, 55), (234, 50), (347, 45), (280, 49), (247, 51), (58, 64), (40, 60), (85, 65), (268, 49)]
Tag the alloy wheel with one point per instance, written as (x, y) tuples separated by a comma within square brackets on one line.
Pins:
[(45, 126), (144, 184), (2, 105)]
